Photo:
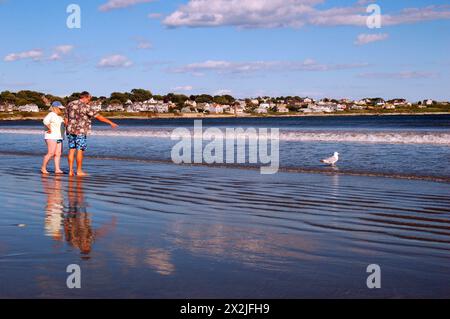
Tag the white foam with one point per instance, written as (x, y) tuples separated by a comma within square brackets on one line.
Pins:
[(386, 137)]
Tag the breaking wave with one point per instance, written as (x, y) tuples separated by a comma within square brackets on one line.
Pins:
[(382, 137)]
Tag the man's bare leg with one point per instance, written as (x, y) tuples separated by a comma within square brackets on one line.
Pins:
[(71, 158), (80, 156)]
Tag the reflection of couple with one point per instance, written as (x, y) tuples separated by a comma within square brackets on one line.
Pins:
[(77, 120), (70, 221)]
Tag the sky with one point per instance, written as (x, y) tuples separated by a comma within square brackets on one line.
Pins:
[(246, 48)]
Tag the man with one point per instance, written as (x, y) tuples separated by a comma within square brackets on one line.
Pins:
[(78, 119)]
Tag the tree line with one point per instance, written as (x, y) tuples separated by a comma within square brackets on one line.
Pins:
[(42, 100)]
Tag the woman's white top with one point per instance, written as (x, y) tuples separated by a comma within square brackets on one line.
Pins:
[(56, 125)]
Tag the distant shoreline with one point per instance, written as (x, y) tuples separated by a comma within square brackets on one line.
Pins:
[(131, 116)]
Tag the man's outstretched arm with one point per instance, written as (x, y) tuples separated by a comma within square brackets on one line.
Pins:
[(105, 120)]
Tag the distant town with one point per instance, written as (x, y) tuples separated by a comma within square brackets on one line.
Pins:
[(140, 101)]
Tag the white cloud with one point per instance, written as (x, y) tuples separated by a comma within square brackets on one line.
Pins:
[(223, 92), (244, 13), (144, 45), (288, 13), (64, 49), (398, 75), (120, 4), (415, 15), (255, 66), (61, 50), (369, 38), (183, 88), (115, 61), (34, 55)]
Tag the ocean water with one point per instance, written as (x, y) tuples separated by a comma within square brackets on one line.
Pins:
[(402, 146), (142, 227)]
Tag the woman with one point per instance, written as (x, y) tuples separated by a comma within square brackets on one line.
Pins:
[(54, 137)]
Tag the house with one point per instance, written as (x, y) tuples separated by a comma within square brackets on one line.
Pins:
[(398, 102), (228, 109), (428, 102), (361, 102), (162, 108), (264, 105), (115, 108), (357, 107), (190, 103), (281, 108), (29, 108), (261, 110), (202, 106), (378, 102), (215, 108), (254, 102), (151, 101), (131, 109), (340, 107), (7, 107), (239, 109)]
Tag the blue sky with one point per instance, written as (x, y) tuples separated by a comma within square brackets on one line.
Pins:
[(246, 48)]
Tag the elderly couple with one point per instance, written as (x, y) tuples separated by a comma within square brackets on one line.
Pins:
[(77, 123)]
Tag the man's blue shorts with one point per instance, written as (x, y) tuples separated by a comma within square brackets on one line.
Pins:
[(78, 142)]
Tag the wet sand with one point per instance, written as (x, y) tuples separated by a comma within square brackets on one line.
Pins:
[(166, 231)]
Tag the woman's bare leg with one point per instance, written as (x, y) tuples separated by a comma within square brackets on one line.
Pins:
[(51, 150), (58, 153)]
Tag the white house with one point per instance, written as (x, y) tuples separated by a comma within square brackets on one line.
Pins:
[(151, 101), (7, 107), (190, 103), (29, 108), (261, 110), (115, 108), (281, 108), (240, 109), (215, 108), (162, 108)]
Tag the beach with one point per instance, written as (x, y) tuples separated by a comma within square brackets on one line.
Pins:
[(141, 226), (169, 231)]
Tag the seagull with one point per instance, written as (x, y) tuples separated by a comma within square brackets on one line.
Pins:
[(331, 160)]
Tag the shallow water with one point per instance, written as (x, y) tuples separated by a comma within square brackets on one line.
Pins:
[(162, 230), (405, 146)]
